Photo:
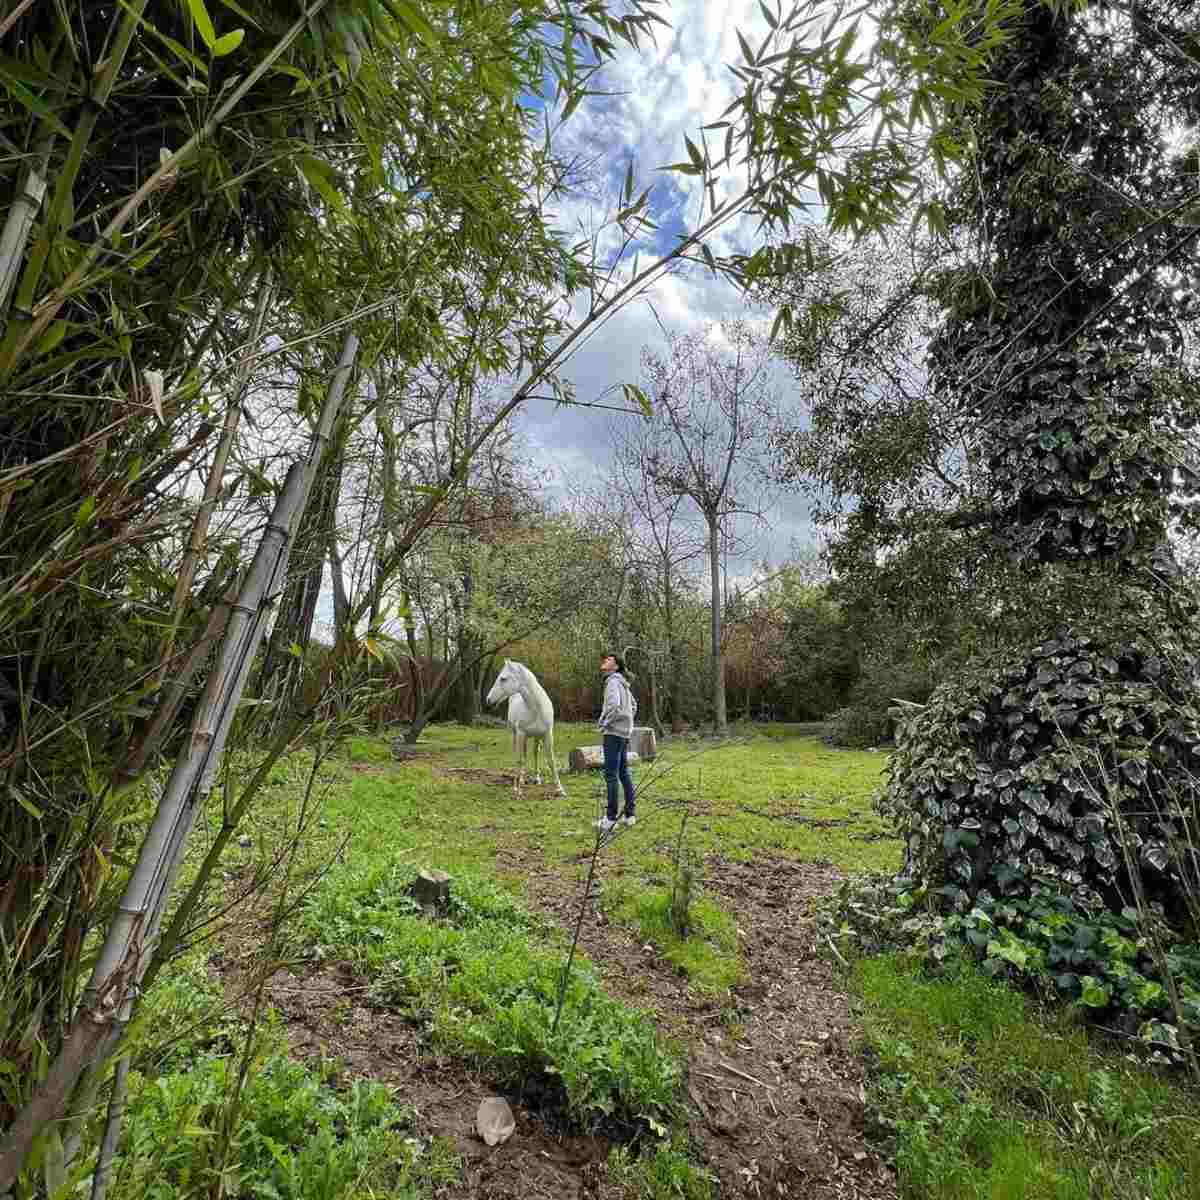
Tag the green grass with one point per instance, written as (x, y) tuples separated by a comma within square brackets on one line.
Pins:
[(367, 750), (708, 956), (663, 1173), (789, 796), (987, 1099), (981, 1098)]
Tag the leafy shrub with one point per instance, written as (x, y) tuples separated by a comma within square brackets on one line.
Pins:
[(1099, 959), (1039, 761)]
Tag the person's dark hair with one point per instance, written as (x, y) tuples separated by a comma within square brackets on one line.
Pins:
[(619, 660)]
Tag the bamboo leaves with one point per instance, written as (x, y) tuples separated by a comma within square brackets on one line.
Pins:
[(218, 46)]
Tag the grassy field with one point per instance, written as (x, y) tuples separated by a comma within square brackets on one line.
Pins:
[(977, 1096), (791, 796)]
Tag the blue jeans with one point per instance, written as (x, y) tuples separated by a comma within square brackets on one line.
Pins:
[(616, 766)]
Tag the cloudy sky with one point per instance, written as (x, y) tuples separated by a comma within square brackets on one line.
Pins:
[(661, 92)]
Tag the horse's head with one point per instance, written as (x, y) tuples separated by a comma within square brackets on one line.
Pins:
[(508, 682)]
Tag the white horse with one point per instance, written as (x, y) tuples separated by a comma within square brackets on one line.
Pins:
[(530, 716)]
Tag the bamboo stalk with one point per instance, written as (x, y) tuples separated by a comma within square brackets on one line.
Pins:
[(199, 536), (21, 213), (151, 736), (14, 16), (123, 958), (112, 1129)]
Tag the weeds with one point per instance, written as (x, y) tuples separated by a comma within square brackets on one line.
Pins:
[(662, 1173), (296, 1137), (708, 956)]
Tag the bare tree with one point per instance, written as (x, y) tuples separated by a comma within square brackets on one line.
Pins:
[(710, 394), (665, 541)]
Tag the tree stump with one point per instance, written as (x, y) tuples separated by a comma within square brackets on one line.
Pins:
[(402, 751), (431, 889)]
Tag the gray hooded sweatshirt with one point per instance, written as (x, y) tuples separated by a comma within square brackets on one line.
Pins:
[(620, 707)]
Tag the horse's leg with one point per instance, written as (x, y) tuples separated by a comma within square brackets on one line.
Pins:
[(537, 760), (522, 746), (562, 791)]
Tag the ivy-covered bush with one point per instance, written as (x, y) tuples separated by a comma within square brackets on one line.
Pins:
[(1110, 963), (1071, 759)]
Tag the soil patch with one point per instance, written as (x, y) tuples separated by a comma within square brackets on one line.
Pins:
[(775, 1093)]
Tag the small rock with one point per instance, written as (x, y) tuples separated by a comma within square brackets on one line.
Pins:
[(494, 1122), (245, 842)]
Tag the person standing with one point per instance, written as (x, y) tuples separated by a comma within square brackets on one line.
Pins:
[(616, 724)]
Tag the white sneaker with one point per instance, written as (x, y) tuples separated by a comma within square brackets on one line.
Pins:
[(605, 825), (627, 821)]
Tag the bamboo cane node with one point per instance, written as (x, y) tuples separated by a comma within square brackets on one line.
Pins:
[(243, 608)]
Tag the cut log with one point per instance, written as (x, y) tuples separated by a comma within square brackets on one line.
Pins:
[(643, 743), (591, 758), (431, 889)]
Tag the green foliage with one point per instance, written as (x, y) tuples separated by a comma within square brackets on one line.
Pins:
[(821, 656), (489, 990), (183, 1017), (296, 1137), (707, 954), (368, 750), (1065, 330), (1105, 963), (982, 1100), (1065, 759), (865, 720)]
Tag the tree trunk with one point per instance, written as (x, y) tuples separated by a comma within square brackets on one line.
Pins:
[(341, 601), (674, 653), (717, 656), (468, 695), (299, 607)]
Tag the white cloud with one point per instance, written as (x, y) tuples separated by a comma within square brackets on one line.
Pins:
[(662, 92)]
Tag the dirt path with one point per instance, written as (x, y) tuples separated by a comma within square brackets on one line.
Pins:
[(775, 1097)]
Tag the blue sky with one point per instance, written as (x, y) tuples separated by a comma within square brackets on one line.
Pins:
[(663, 92)]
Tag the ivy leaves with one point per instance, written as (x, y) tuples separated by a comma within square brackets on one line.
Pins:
[(1059, 762)]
